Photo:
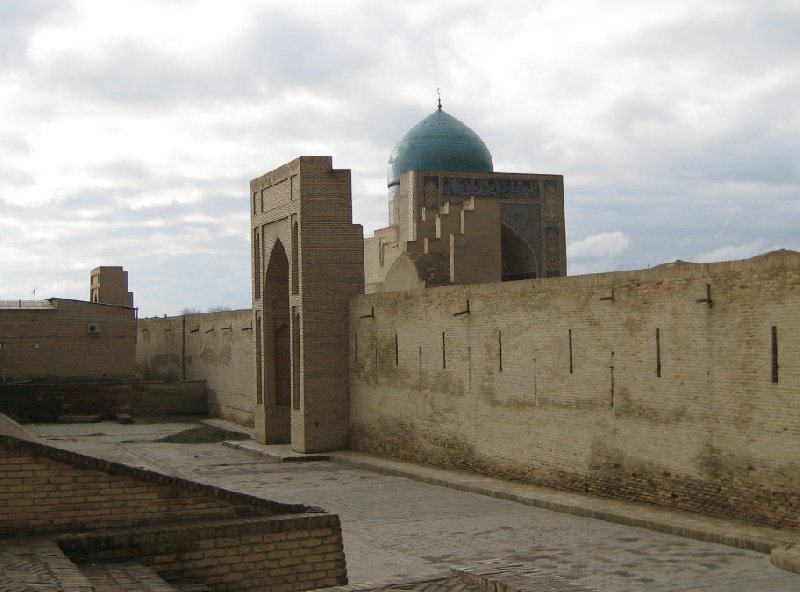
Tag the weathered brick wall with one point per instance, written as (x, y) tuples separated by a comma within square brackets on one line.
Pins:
[(307, 259), (55, 342), (109, 285), (35, 402), (100, 511), (40, 494), (45, 402), (216, 347), (625, 385), (281, 553)]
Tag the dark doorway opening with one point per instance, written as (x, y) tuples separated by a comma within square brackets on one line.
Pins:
[(518, 257), (277, 359)]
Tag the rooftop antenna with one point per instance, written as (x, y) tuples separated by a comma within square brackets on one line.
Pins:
[(439, 92), (34, 293)]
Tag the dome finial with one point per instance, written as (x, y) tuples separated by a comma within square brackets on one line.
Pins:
[(439, 92)]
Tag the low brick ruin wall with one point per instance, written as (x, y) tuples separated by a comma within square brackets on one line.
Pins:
[(285, 553), (43, 495), (106, 512), (41, 402)]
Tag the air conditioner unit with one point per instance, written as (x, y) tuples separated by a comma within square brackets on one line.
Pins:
[(93, 328)]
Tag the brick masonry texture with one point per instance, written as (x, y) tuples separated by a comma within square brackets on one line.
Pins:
[(308, 257), (282, 553), (45, 489), (628, 385), (109, 285), (674, 386), (45, 402), (124, 577), (498, 575), (100, 511), (55, 342), (37, 564), (218, 348)]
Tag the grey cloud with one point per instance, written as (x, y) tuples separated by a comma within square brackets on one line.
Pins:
[(283, 50), (674, 191), (749, 39), (750, 160), (14, 144), (124, 72), (11, 176), (18, 20), (276, 54), (670, 217), (185, 251), (122, 170), (188, 283)]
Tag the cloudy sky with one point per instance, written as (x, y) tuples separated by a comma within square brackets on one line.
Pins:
[(129, 129)]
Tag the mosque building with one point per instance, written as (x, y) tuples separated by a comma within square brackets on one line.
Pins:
[(453, 220), (675, 385)]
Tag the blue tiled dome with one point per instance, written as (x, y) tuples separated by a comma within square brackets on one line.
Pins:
[(440, 142)]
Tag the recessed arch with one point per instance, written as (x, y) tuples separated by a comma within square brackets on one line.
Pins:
[(295, 257), (276, 284), (518, 257), (257, 264), (276, 344)]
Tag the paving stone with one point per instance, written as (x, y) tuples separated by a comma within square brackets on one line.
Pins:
[(124, 577), (36, 564), (398, 528)]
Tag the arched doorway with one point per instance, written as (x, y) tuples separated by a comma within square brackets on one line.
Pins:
[(277, 357), (518, 258)]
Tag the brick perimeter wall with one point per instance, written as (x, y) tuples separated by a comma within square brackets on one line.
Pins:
[(513, 398), (215, 347)]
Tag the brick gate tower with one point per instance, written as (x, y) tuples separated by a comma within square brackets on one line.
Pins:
[(307, 259)]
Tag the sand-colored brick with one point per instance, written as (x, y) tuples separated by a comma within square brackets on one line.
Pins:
[(625, 385)]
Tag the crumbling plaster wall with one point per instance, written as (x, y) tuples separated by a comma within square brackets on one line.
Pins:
[(628, 385), (215, 347)]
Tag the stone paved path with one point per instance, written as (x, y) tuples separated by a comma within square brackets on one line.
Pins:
[(396, 527)]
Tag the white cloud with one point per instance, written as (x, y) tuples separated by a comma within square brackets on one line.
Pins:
[(605, 245), (734, 252)]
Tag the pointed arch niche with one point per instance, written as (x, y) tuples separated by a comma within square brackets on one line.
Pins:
[(295, 257), (312, 262), (277, 348), (518, 257), (256, 263)]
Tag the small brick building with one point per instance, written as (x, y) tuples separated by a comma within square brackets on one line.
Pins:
[(60, 337)]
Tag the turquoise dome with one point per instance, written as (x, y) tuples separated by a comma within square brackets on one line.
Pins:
[(440, 142)]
